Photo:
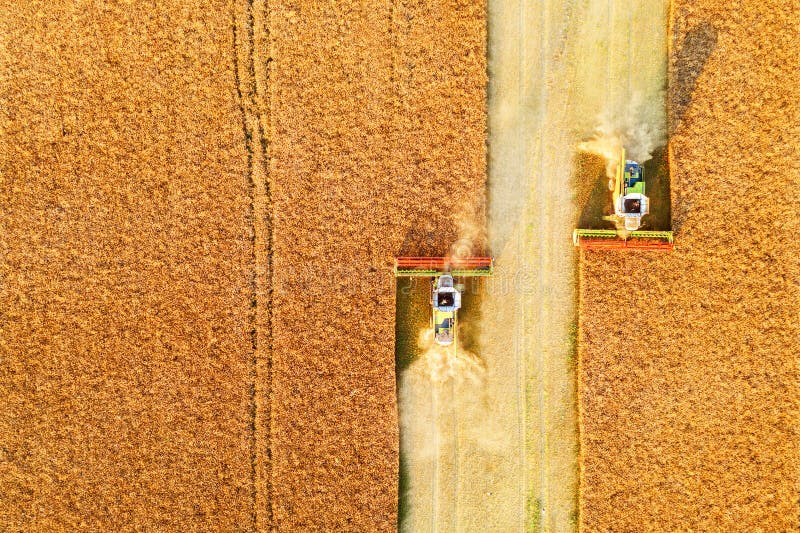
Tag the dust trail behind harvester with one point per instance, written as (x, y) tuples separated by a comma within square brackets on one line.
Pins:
[(443, 363), (440, 389)]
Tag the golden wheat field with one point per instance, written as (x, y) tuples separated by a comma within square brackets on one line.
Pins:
[(201, 204)]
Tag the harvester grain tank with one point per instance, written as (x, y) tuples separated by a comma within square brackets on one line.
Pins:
[(445, 294)]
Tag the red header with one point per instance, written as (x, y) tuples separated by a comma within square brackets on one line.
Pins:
[(616, 244), (441, 263)]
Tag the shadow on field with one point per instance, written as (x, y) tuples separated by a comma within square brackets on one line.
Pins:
[(593, 197), (657, 179), (690, 61)]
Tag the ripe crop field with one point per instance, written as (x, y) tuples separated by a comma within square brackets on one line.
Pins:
[(125, 270), (689, 382), (201, 206), (201, 203)]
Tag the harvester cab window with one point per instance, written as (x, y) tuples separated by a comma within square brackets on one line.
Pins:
[(633, 205), (445, 299)]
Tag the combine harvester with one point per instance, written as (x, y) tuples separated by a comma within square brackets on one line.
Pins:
[(630, 205), (445, 294)]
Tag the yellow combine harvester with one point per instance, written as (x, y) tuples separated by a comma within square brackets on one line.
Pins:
[(445, 295)]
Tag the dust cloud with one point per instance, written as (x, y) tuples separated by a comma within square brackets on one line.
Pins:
[(637, 129), (618, 64), (442, 363), (471, 238), (606, 146)]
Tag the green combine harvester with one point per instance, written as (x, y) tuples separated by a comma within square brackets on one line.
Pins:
[(631, 204)]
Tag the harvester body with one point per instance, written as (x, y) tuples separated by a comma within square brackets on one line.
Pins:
[(630, 204), (446, 301), (445, 295)]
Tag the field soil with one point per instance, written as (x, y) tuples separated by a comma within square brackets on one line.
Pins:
[(689, 384)]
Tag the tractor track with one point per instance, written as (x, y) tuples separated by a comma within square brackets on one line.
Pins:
[(436, 462), (251, 74), (520, 337), (456, 462), (544, 206)]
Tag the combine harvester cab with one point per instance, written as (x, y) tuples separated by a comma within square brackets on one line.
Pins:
[(446, 301), (630, 205), (445, 295)]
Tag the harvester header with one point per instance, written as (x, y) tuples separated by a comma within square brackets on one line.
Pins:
[(609, 239), (445, 292), (436, 266)]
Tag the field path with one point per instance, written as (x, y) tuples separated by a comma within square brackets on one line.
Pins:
[(525, 328)]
